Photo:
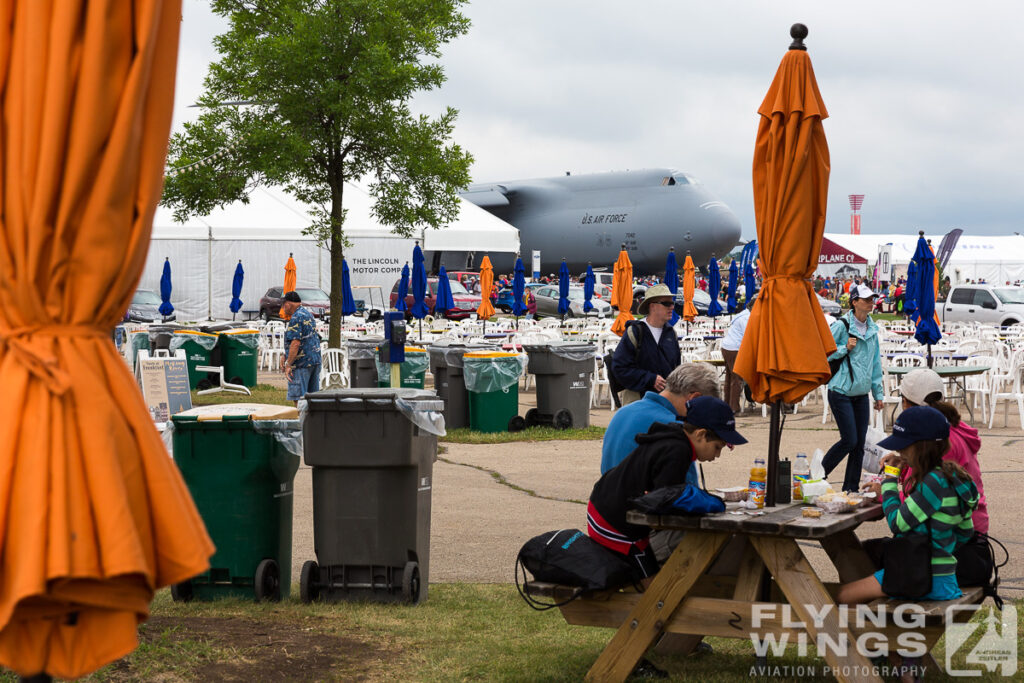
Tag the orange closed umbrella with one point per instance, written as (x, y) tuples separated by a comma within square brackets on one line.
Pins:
[(689, 284), (622, 291), (289, 281), (783, 355), (486, 308), (784, 351), (94, 516)]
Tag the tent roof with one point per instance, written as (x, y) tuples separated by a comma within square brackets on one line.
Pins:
[(271, 214), (970, 248)]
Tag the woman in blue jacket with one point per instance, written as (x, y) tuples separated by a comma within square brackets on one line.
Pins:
[(858, 380)]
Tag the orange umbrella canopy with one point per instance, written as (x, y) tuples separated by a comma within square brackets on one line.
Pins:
[(783, 355), (94, 516), (622, 292), (486, 308), (289, 281), (689, 284)]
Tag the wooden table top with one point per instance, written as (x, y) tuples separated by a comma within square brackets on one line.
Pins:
[(943, 370), (783, 520)]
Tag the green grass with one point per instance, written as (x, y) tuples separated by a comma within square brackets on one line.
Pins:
[(466, 435), (462, 632), (261, 393)]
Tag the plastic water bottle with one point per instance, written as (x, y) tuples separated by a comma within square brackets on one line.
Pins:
[(758, 482), (801, 468)]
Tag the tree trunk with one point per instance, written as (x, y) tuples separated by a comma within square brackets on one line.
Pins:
[(337, 254)]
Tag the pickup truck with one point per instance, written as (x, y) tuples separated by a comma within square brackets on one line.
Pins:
[(989, 304)]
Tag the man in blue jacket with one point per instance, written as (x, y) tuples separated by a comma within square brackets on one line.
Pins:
[(649, 349)]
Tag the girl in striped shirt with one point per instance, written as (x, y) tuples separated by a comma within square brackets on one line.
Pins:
[(941, 493)]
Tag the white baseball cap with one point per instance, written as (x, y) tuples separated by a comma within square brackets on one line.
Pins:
[(861, 292), (919, 384)]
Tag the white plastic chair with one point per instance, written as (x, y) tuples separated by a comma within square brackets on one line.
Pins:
[(979, 387), (334, 369), (1008, 388)]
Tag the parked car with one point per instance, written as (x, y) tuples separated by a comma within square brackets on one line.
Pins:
[(701, 301), (828, 306), (145, 308), (547, 303), (988, 304), (465, 303), (314, 299)]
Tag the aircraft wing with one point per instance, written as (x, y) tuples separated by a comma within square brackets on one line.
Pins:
[(487, 196)]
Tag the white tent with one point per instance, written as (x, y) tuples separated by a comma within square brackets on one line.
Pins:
[(203, 252), (994, 258)]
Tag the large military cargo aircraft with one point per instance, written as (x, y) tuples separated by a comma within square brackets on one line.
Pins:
[(586, 218)]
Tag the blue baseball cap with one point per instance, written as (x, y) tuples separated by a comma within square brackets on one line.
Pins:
[(716, 416), (920, 423)]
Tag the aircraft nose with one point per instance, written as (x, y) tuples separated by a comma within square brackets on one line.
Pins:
[(725, 230)]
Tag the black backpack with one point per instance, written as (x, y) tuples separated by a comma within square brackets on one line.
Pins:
[(836, 363), (572, 558)]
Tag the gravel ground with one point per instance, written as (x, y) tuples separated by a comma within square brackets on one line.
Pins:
[(479, 523)]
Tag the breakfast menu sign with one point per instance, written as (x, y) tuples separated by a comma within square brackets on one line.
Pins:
[(165, 387)]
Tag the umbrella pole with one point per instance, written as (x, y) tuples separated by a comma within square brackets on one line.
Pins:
[(929, 356), (774, 437)]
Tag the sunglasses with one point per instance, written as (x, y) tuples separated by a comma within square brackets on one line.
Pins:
[(667, 304)]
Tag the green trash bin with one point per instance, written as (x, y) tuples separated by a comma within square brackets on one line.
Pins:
[(239, 356), (138, 340), (239, 462), (492, 380), (414, 369), (198, 347)]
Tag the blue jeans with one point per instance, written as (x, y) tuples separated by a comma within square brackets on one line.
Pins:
[(305, 381), (853, 414)]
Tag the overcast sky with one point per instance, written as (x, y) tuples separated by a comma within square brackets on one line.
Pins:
[(924, 97)]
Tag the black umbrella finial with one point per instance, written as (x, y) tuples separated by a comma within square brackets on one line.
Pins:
[(920, 233), (623, 246), (798, 32)]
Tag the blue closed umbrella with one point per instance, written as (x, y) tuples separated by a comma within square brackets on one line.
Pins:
[(403, 289), (419, 284), (563, 289), (910, 291), (730, 294), (165, 290), (444, 301), (714, 286), (348, 302), (672, 280), (749, 284), (589, 280), (518, 288), (927, 331), (236, 288)]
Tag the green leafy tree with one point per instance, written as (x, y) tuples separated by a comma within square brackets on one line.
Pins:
[(309, 94)]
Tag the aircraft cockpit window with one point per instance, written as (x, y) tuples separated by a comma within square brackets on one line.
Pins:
[(683, 179), (668, 180)]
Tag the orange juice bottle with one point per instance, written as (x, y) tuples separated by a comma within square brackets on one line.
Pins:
[(758, 482)]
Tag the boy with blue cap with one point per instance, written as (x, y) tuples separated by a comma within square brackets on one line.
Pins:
[(662, 458)]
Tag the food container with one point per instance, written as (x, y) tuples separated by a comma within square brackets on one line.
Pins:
[(838, 502), (732, 494), (813, 489)]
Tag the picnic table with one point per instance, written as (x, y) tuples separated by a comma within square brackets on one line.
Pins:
[(684, 599), (954, 376)]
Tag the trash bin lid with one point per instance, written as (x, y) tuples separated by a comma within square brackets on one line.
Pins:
[(365, 341), (251, 411), (411, 349), (195, 332), (240, 332), (490, 354), (423, 399)]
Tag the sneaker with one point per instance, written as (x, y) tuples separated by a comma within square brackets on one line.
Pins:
[(644, 669), (702, 649)]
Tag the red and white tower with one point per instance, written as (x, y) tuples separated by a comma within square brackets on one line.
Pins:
[(856, 200)]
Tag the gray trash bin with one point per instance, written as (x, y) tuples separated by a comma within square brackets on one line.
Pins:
[(446, 367), (160, 336), (563, 371), (362, 361), (372, 452)]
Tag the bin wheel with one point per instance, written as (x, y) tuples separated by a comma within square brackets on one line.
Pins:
[(308, 590), (531, 417), (267, 581), (562, 419), (204, 384), (237, 380), (181, 592), (516, 424), (411, 582)]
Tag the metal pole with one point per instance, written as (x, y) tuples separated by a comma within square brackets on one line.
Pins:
[(774, 438)]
